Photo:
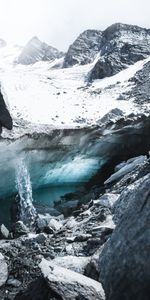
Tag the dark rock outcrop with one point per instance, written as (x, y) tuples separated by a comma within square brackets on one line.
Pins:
[(84, 49), (36, 51), (124, 262), (121, 45), (5, 118), (141, 89)]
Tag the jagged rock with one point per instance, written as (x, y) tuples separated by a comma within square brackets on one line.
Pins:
[(5, 118), (69, 284), (125, 168), (3, 270), (4, 232), (84, 49), (92, 268), (13, 282), (124, 263), (19, 229), (54, 224), (121, 45), (107, 200), (141, 85), (39, 238), (36, 50), (74, 263)]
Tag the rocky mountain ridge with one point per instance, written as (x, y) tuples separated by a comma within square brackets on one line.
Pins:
[(35, 50)]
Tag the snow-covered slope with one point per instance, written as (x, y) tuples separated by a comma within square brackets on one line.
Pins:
[(43, 94)]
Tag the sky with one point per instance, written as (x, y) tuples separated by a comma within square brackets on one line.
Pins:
[(59, 22)]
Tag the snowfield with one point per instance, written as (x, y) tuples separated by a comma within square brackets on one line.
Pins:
[(46, 94)]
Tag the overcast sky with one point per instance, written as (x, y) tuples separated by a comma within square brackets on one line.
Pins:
[(59, 22)]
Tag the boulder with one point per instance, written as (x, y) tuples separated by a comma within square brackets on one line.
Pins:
[(124, 263), (4, 232), (74, 263), (69, 284), (19, 229)]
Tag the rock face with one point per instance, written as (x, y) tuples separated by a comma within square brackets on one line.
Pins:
[(124, 262), (84, 49), (5, 118), (121, 45), (36, 50), (69, 284), (141, 89), (3, 270)]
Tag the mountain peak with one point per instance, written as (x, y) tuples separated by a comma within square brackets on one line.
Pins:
[(35, 51)]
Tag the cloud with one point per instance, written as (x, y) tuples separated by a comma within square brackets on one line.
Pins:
[(58, 22)]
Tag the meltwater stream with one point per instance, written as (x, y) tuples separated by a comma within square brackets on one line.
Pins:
[(24, 188)]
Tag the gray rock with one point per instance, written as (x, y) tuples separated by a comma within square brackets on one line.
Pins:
[(5, 118), (84, 49), (39, 238), (4, 232), (92, 268), (3, 270), (129, 166), (107, 200), (36, 50), (74, 263), (69, 284), (19, 229), (13, 282), (121, 45), (54, 224), (124, 263)]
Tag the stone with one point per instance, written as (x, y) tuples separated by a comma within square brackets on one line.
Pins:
[(54, 224), (124, 264), (69, 284), (39, 238), (19, 229), (74, 263), (4, 232), (5, 118), (3, 270), (13, 282), (107, 200)]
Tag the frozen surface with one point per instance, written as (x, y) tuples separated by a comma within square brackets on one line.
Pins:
[(43, 94)]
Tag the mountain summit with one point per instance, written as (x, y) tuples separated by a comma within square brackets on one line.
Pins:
[(35, 50)]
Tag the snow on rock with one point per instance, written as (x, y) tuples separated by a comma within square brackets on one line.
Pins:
[(69, 284)]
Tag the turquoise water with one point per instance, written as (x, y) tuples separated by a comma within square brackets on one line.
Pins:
[(44, 196)]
